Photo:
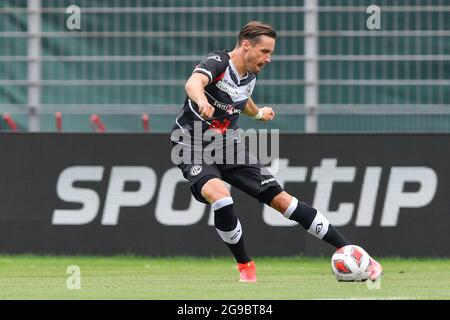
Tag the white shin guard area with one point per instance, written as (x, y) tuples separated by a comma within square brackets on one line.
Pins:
[(319, 226), (233, 236)]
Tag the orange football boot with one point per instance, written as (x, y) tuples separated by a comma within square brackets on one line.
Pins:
[(376, 270), (247, 272)]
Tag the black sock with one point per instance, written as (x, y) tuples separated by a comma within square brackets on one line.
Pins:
[(315, 223), (229, 229)]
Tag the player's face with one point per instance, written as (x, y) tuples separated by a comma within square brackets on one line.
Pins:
[(259, 54)]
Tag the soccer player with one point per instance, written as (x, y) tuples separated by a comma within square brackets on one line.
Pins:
[(218, 91)]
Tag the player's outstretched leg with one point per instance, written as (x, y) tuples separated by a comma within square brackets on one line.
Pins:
[(229, 227), (316, 224)]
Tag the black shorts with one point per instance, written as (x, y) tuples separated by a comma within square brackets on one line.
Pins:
[(250, 177)]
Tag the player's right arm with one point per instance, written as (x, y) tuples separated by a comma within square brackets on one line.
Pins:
[(195, 87)]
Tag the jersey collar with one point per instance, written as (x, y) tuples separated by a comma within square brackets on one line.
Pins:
[(237, 73)]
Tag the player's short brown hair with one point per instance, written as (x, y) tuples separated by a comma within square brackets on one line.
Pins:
[(255, 29)]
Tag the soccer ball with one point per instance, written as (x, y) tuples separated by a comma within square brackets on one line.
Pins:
[(351, 263)]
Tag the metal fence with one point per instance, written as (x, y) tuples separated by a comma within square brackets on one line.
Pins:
[(330, 73)]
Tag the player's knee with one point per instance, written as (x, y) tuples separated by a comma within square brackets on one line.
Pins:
[(281, 202), (214, 189)]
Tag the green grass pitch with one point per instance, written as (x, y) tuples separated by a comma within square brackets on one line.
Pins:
[(184, 278)]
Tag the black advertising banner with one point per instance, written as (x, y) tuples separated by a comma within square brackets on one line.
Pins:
[(121, 193)]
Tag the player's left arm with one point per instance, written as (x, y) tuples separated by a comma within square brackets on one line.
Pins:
[(263, 114)]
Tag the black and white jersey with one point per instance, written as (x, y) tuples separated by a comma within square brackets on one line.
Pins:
[(226, 92)]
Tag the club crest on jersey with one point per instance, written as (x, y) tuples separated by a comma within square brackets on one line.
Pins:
[(195, 170), (249, 91)]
